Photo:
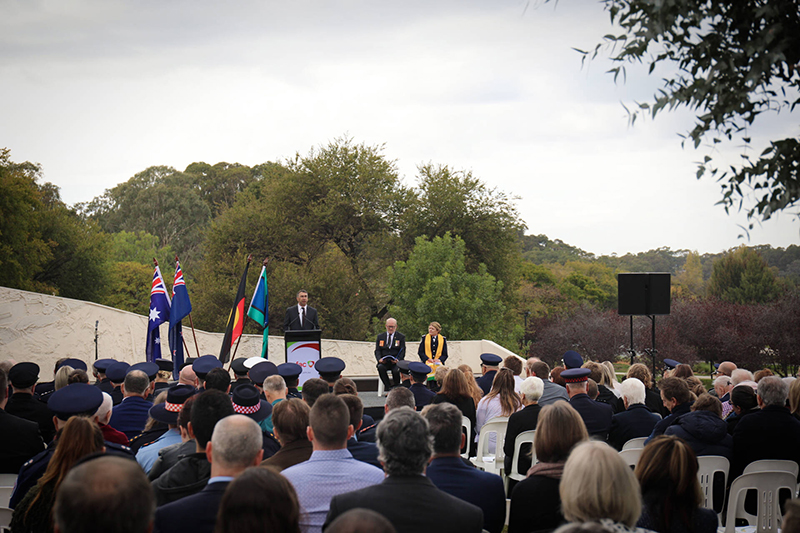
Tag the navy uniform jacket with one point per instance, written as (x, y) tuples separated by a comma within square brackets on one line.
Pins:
[(25, 406), (130, 416), (292, 319), (105, 385), (366, 452), (422, 395), (397, 350), (34, 469), (477, 487), (294, 393), (117, 396), (367, 434), (434, 346), (44, 390), (196, 513), (485, 381), (20, 442), (596, 415), (636, 421)]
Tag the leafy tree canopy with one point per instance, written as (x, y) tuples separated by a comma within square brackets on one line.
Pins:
[(539, 249), (731, 62), (742, 276), (434, 285)]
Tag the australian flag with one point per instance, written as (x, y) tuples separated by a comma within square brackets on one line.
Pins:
[(159, 313), (181, 307)]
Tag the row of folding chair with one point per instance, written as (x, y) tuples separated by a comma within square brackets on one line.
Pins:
[(767, 477)]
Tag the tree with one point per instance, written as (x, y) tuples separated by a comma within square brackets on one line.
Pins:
[(158, 200), (689, 282), (23, 251), (138, 246), (742, 276), (735, 61), (434, 285), (128, 287), (219, 184), (458, 203)]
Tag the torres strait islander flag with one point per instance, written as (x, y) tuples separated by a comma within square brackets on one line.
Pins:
[(235, 320), (159, 313), (259, 308)]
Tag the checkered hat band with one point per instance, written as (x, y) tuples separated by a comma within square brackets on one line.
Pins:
[(576, 380), (173, 407), (246, 409)]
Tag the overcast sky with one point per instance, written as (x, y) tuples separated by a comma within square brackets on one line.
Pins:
[(96, 91)]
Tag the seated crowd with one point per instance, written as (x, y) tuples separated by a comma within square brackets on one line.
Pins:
[(136, 452)]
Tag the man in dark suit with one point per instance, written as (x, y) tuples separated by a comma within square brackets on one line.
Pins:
[(771, 433), (301, 316), (409, 500), (596, 415), (99, 369), (390, 347), (366, 452), (235, 445), (636, 420), (26, 442), (449, 472), (489, 365), (22, 404)]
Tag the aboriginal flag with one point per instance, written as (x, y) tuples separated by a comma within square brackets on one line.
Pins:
[(235, 320)]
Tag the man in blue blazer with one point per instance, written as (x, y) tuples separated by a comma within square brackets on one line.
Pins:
[(451, 474), (130, 416), (235, 445), (636, 420)]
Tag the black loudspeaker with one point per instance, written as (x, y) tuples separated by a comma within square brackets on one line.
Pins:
[(644, 293)]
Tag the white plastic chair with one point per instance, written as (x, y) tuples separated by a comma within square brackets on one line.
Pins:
[(487, 461), (772, 465), (768, 484), (5, 518), (634, 444), (466, 424), (522, 438), (381, 387), (7, 480), (709, 465), (631, 456), (5, 495)]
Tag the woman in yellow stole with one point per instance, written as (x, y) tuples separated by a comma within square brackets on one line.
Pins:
[(433, 347)]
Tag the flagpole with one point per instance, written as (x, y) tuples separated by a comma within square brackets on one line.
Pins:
[(244, 323), (196, 346)]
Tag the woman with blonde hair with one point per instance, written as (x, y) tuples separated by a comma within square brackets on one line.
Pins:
[(599, 486), (433, 347), (794, 398), (501, 401), (61, 379), (79, 438), (671, 494), (652, 399), (475, 389), (535, 501), (609, 374)]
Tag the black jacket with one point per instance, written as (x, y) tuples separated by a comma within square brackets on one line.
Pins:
[(523, 420), (188, 476), (25, 443), (705, 432), (636, 421)]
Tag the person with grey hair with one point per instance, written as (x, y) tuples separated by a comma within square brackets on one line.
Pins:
[(740, 375), (525, 419), (102, 417), (451, 474), (771, 433), (235, 445), (131, 415), (636, 420), (723, 386), (397, 397), (108, 494), (409, 500)]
